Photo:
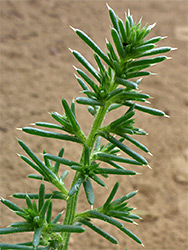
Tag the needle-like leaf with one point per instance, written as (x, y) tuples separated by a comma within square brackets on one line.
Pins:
[(99, 231), (49, 134), (111, 196), (92, 45)]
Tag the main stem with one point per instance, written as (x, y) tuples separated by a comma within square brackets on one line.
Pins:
[(72, 201)]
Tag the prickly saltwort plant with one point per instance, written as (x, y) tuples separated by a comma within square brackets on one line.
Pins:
[(116, 84)]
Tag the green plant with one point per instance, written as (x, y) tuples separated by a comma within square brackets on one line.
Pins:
[(110, 87)]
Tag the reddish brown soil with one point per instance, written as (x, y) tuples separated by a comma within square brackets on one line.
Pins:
[(36, 72)]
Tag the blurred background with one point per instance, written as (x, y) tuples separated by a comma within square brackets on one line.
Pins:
[(36, 72)]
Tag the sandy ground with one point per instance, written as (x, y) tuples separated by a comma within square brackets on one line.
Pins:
[(36, 72)]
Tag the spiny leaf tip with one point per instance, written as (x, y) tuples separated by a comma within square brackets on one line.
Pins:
[(108, 6), (71, 50), (150, 153), (73, 28)]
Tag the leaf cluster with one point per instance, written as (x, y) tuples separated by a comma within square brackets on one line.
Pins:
[(111, 212), (37, 218)]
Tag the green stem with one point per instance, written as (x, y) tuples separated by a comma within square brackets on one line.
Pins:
[(72, 201), (70, 214), (96, 124)]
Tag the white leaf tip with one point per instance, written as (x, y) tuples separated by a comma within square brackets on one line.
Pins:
[(135, 223), (73, 28), (19, 128), (137, 174), (153, 25), (149, 167), (108, 6), (1, 198), (148, 102), (75, 67), (150, 154), (167, 116), (70, 50)]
